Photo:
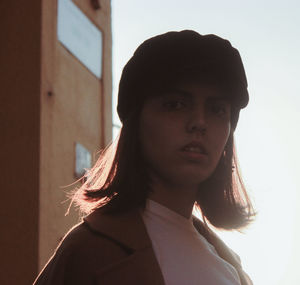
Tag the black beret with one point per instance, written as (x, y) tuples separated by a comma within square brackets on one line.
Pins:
[(162, 58)]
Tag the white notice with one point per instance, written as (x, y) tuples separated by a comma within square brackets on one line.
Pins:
[(80, 36), (83, 160)]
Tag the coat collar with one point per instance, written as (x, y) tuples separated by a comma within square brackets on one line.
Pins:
[(223, 251), (128, 229)]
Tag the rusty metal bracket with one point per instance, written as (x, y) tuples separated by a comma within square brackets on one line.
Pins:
[(96, 4)]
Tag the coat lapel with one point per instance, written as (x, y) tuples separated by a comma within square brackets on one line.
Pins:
[(140, 267), (223, 250), (127, 230)]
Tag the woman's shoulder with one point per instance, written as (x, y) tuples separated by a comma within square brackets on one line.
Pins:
[(81, 253), (82, 241)]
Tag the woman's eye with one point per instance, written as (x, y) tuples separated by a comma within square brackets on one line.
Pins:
[(174, 105), (219, 109)]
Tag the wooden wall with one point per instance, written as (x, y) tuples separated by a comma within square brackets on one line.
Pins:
[(49, 101)]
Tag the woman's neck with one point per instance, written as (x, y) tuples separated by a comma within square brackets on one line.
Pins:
[(178, 199)]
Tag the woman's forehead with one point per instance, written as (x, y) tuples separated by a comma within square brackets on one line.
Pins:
[(193, 90)]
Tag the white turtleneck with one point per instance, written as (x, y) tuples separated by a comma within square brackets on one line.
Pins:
[(184, 256)]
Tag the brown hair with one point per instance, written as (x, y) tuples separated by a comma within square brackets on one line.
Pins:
[(118, 181)]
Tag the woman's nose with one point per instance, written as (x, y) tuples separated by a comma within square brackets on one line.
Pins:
[(197, 122)]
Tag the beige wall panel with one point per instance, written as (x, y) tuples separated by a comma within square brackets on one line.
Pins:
[(78, 98), (102, 19), (77, 110)]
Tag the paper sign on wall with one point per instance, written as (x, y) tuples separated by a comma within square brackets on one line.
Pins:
[(83, 160), (80, 36)]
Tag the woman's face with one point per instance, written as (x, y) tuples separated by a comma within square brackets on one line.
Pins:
[(183, 132)]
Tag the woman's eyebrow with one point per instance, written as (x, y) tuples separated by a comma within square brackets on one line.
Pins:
[(189, 95), (217, 99), (178, 92)]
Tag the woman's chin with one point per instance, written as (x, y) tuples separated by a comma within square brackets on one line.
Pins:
[(190, 180)]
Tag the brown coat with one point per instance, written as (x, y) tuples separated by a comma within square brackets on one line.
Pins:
[(115, 249)]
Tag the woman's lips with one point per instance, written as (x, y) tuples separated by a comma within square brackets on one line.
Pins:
[(195, 156), (194, 151), (195, 147)]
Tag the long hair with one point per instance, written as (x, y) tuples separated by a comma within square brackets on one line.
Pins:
[(119, 181), (223, 199)]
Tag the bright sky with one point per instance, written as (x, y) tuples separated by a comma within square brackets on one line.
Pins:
[(268, 37)]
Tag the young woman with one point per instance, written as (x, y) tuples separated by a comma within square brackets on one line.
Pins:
[(179, 101)]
